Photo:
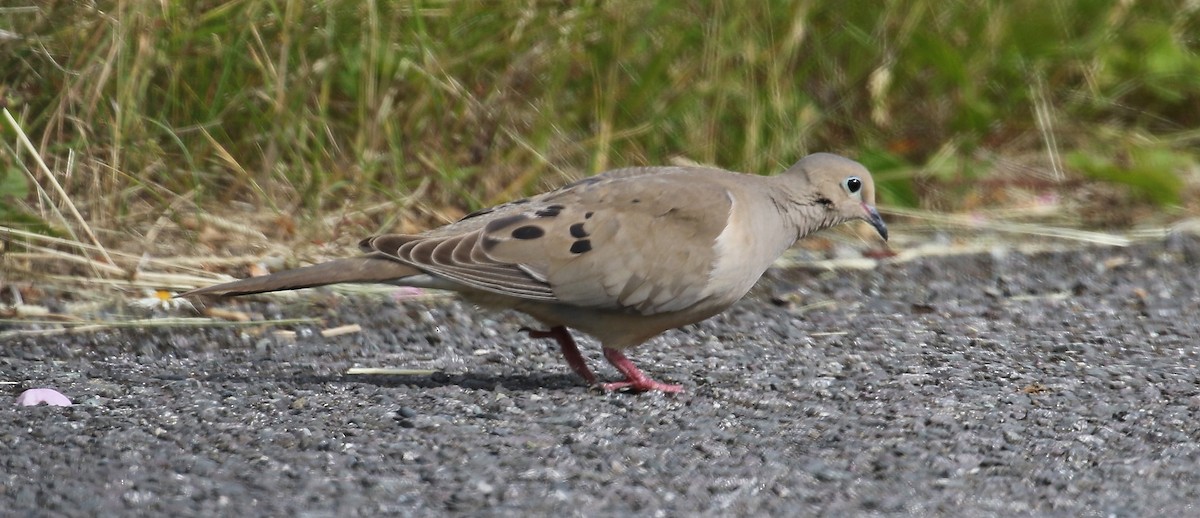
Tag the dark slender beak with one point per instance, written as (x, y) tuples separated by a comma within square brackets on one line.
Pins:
[(876, 221)]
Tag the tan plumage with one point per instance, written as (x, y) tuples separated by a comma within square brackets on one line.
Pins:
[(622, 256)]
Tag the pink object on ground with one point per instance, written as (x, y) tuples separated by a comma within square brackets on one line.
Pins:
[(39, 396), (405, 292)]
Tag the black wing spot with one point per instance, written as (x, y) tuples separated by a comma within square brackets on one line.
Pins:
[(500, 223), (521, 201), (549, 211), (528, 232), (635, 200), (581, 246), (588, 215), (577, 231)]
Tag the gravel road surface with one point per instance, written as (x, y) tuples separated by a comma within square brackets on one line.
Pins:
[(1059, 383)]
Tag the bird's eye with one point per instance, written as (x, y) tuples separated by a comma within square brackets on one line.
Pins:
[(853, 185)]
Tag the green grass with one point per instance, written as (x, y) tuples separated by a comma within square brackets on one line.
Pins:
[(316, 108)]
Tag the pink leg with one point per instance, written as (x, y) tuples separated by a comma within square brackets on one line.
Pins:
[(634, 378), (569, 350)]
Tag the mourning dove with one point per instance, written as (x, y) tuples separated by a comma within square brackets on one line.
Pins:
[(622, 256)]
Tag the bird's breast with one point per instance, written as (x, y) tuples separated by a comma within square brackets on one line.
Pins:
[(752, 239)]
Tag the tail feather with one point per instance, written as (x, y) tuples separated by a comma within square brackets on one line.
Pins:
[(367, 268)]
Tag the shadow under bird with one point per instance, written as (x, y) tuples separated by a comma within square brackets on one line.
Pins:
[(622, 256)]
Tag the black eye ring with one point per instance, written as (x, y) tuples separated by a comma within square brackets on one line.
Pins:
[(853, 184)]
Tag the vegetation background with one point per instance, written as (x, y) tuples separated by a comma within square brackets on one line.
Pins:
[(227, 124)]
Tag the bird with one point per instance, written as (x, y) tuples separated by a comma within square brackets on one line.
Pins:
[(621, 256)]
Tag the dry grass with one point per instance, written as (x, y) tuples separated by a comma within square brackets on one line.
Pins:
[(151, 146)]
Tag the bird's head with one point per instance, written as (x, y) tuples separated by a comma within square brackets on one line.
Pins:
[(841, 188)]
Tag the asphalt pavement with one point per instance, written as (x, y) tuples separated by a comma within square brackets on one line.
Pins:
[(1061, 383)]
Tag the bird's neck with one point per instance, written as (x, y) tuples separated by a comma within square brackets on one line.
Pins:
[(803, 209)]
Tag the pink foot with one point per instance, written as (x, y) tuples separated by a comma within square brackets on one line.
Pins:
[(634, 378), (569, 350)]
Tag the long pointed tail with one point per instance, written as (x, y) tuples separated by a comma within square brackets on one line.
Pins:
[(367, 268)]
